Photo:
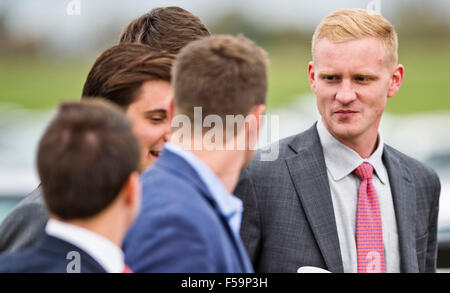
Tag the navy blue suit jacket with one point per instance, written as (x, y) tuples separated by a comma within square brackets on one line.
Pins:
[(180, 228), (49, 255)]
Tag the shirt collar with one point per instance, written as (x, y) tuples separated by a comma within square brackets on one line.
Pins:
[(102, 250), (229, 205), (342, 160)]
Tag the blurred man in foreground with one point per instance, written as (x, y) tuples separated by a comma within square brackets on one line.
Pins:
[(337, 197), (165, 29), (190, 221), (87, 162)]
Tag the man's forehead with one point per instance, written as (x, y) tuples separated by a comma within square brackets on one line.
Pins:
[(360, 53), (351, 46)]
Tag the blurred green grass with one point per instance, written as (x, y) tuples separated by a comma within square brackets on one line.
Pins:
[(426, 86), (37, 83)]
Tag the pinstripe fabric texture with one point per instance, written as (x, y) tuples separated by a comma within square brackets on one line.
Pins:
[(369, 232)]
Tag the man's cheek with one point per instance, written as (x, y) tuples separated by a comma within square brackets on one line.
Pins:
[(321, 107)]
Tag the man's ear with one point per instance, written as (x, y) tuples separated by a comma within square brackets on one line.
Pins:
[(254, 118), (171, 108), (396, 80), (311, 77), (258, 111), (132, 190)]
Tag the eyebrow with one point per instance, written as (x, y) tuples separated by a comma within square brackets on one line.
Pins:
[(324, 74), (369, 76), (363, 74), (156, 111)]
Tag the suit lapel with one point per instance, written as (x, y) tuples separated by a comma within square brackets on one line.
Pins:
[(308, 173), (404, 197), (237, 243)]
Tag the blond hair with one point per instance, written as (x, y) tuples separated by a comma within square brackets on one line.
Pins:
[(352, 24)]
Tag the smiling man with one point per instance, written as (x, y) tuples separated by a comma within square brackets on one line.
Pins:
[(150, 118), (138, 80), (338, 197), (124, 75)]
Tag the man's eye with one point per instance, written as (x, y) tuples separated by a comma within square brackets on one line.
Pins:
[(330, 78), (363, 79), (156, 119)]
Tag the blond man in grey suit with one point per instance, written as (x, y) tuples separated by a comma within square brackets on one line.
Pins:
[(303, 209)]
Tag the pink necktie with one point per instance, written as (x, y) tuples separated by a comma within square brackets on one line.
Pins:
[(126, 270), (369, 233)]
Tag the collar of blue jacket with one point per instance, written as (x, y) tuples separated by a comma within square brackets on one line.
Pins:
[(228, 204)]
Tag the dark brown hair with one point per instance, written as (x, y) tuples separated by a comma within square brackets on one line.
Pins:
[(224, 75), (165, 29), (84, 158), (119, 72)]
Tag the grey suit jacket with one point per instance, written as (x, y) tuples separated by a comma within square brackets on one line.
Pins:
[(25, 223), (289, 222)]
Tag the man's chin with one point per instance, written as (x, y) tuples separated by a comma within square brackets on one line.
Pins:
[(344, 132)]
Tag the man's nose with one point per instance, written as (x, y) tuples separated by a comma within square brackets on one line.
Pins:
[(346, 94)]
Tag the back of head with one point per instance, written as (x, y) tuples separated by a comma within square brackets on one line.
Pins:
[(224, 75), (352, 24), (165, 29), (85, 157), (119, 72)]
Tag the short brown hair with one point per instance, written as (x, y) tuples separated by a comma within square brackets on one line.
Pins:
[(224, 75), (119, 72), (84, 158), (352, 24), (165, 29)]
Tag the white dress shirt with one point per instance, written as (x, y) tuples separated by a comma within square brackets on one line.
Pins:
[(341, 161), (102, 250)]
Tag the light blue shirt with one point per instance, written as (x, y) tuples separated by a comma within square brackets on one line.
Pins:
[(229, 205)]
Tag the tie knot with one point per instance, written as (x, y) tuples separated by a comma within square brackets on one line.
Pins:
[(364, 171)]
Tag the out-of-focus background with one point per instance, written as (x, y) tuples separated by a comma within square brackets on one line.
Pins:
[(48, 46)]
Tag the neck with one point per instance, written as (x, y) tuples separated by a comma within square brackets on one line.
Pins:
[(105, 225), (364, 147), (225, 164), (364, 144)]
